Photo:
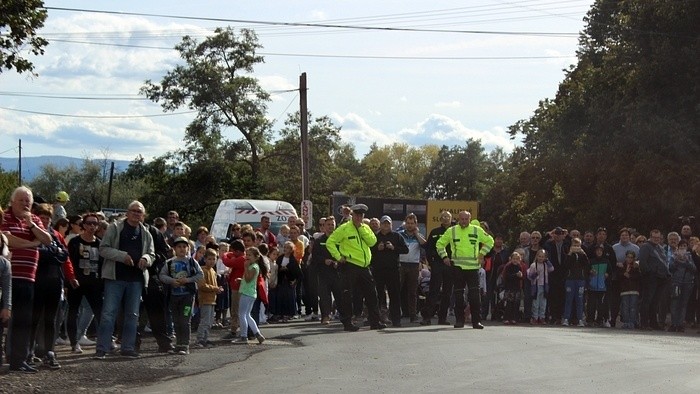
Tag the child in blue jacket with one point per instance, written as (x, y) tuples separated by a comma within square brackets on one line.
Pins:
[(598, 307)]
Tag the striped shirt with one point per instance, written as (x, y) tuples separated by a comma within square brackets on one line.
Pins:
[(24, 260)]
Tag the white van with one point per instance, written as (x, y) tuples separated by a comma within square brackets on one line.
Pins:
[(249, 212)]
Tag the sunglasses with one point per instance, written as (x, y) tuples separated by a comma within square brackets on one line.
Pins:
[(90, 223)]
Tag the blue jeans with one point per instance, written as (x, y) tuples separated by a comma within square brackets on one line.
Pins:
[(85, 316), (574, 291), (628, 310), (117, 292), (679, 304), (245, 320), (539, 304)]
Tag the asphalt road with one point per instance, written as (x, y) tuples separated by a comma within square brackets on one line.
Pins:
[(442, 359)]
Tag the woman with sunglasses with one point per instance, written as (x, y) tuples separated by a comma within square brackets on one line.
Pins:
[(84, 253)]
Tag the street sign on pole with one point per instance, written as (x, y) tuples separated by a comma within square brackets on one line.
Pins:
[(307, 213)]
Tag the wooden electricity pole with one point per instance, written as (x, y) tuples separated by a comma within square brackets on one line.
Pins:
[(304, 126)]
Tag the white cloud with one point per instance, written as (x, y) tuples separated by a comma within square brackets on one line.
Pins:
[(441, 129), (356, 130), (403, 99), (448, 104), (272, 83), (319, 15)]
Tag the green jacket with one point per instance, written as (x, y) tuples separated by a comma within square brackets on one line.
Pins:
[(352, 243), (466, 245)]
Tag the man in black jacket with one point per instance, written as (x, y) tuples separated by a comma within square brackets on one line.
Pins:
[(154, 296), (654, 280), (440, 276), (385, 268), (326, 269)]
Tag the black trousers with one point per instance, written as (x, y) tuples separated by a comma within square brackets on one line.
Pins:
[(556, 299), (613, 301), (154, 302), (651, 292), (47, 294), (388, 280), (91, 288), (469, 279), (328, 284), (311, 290), (441, 284), (357, 279), (21, 322)]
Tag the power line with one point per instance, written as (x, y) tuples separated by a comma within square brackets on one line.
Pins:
[(98, 116), (57, 96), (340, 56), (319, 25)]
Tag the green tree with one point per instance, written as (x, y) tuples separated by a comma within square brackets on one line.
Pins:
[(8, 183), (395, 170), (19, 22), (613, 146), (332, 163), (87, 185), (216, 82), (458, 173)]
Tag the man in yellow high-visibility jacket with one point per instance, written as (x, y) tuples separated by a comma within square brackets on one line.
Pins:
[(350, 246), (469, 243)]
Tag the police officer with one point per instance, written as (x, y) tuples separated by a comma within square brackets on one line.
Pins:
[(350, 246), (469, 244)]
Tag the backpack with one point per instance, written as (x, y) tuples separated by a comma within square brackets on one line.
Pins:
[(191, 287)]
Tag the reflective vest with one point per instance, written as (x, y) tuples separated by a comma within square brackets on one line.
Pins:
[(352, 243), (466, 244)]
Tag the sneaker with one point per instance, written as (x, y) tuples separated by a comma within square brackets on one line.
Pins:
[(311, 317), (425, 322), (61, 341), (85, 341), (351, 327), (129, 354), (581, 323), (229, 335), (33, 360), (147, 329), (200, 345), (260, 338), (166, 349), (606, 324), (100, 355), (240, 341), (24, 368), (183, 352), (50, 361), (565, 322), (326, 320), (76, 349)]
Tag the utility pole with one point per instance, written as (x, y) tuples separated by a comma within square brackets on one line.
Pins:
[(19, 176), (303, 123), (109, 190)]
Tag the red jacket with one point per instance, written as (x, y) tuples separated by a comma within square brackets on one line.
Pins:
[(236, 264)]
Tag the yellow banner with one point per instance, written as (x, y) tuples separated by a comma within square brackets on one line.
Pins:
[(435, 207)]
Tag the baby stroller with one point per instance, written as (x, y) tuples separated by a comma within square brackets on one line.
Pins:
[(423, 288), (499, 306)]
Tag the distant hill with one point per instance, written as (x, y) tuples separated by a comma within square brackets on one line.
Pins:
[(31, 166)]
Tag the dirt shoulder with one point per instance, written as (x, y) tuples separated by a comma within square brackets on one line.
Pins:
[(81, 373)]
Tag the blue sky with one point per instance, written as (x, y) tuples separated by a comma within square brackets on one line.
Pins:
[(415, 87)]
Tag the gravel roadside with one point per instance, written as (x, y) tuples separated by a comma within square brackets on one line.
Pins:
[(81, 373)]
